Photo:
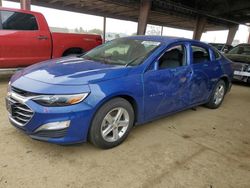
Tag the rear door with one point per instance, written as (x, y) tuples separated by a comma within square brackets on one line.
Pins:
[(22, 43), (206, 70)]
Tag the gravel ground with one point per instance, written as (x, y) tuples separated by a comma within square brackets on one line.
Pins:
[(202, 148)]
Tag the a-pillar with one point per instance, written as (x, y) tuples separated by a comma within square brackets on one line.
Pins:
[(25, 4), (231, 33), (145, 7), (199, 27)]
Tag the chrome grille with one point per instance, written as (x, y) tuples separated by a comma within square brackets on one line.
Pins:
[(22, 92), (240, 66), (20, 113)]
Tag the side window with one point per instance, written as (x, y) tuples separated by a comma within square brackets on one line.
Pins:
[(200, 55), (17, 21), (173, 57)]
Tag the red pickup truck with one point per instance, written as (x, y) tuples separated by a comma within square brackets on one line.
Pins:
[(25, 39)]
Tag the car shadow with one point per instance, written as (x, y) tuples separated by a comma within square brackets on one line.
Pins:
[(241, 83)]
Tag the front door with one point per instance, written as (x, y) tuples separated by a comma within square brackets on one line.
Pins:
[(166, 87), (22, 43)]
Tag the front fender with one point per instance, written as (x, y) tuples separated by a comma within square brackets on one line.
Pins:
[(129, 86)]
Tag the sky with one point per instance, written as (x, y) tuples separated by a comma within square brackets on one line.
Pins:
[(71, 20)]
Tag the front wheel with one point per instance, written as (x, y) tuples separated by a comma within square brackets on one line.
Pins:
[(217, 95), (112, 123)]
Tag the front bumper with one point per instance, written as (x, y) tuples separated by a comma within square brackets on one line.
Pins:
[(79, 116)]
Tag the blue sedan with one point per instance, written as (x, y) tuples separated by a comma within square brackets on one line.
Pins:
[(102, 94)]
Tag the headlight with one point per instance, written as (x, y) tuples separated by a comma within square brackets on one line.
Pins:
[(59, 100)]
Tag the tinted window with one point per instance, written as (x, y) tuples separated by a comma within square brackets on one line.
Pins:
[(173, 57), (218, 46), (241, 49), (17, 21), (200, 54)]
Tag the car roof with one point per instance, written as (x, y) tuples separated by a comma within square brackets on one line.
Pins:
[(163, 39), (18, 10)]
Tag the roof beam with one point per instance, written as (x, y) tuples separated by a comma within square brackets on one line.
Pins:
[(235, 6), (172, 16), (231, 33), (25, 4), (199, 27)]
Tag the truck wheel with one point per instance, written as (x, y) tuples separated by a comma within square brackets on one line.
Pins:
[(217, 95), (112, 123)]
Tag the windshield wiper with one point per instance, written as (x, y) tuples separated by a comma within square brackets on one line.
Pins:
[(86, 58), (133, 60), (101, 60)]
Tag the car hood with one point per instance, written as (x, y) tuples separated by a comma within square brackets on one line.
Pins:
[(239, 58), (73, 71)]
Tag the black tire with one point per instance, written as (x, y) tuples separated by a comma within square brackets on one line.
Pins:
[(248, 80), (213, 104), (96, 130)]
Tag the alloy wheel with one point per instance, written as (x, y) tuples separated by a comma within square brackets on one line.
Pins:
[(115, 124), (219, 94)]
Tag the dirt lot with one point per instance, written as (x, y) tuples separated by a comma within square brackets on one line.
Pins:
[(203, 148)]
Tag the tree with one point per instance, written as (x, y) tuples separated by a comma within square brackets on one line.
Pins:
[(76, 30), (117, 36), (81, 30), (96, 31)]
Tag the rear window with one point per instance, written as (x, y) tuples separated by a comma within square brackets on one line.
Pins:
[(241, 49), (17, 21), (200, 54), (217, 55)]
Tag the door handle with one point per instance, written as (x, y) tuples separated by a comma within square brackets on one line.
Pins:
[(42, 37)]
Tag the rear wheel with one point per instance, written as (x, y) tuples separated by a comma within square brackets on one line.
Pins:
[(248, 80), (217, 95), (112, 123)]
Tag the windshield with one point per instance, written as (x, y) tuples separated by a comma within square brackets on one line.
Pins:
[(218, 46), (122, 52), (243, 50)]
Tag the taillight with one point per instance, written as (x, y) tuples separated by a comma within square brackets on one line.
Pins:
[(99, 40)]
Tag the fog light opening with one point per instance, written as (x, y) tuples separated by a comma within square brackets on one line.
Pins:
[(54, 126)]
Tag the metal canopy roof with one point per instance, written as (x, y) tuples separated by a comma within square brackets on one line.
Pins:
[(182, 14)]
